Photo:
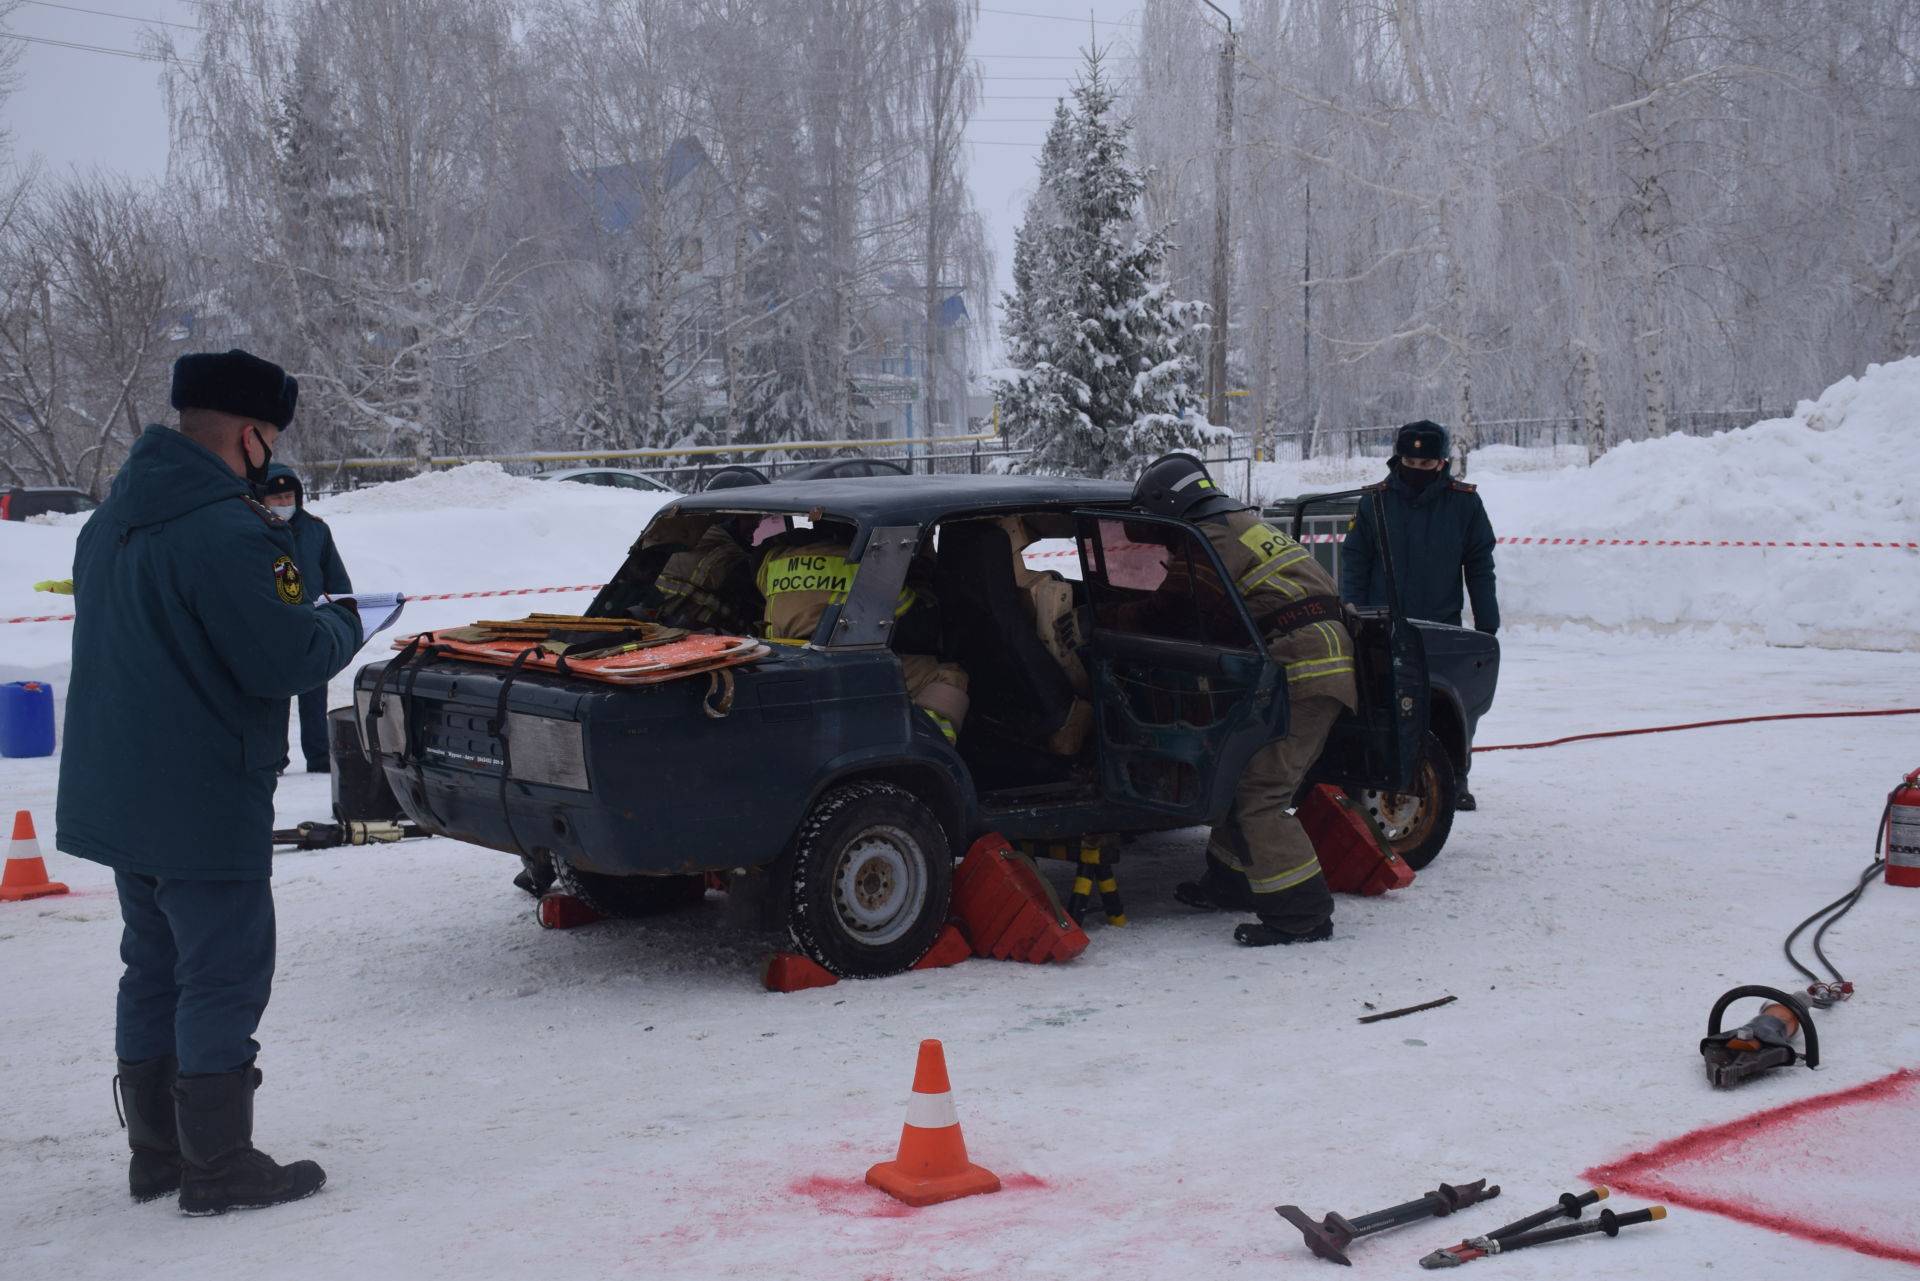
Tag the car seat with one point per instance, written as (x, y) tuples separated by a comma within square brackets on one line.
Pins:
[(1019, 690)]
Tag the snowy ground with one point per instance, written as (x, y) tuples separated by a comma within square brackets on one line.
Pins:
[(497, 1101)]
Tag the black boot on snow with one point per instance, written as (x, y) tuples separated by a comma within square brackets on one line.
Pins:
[(145, 1091), (1261, 934), (222, 1170), (1464, 802), (1219, 889)]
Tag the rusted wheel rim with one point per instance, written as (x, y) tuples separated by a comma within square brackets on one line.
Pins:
[(879, 885), (1406, 818)]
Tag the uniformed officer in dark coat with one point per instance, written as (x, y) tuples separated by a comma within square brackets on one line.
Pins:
[(324, 574), (1438, 530), (193, 628)]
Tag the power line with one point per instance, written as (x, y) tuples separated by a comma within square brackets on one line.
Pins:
[(93, 48), (1057, 17), (102, 13)]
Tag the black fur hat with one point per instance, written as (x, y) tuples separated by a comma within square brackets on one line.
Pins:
[(235, 382), (1424, 439)]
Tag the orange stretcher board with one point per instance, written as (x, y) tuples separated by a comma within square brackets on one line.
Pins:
[(689, 656)]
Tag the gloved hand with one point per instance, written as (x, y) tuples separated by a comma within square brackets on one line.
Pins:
[(350, 605), (1350, 619), (1488, 630), (58, 586)]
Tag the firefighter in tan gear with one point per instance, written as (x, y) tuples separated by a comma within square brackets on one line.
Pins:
[(1259, 858), (807, 571), (707, 582)]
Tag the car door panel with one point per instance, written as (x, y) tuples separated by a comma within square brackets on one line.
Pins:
[(1184, 692)]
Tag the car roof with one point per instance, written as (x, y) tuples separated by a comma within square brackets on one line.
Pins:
[(908, 500)]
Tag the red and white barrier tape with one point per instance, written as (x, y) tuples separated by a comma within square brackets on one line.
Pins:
[(1676, 542), (1309, 538), (511, 591), (505, 591), (1553, 542)]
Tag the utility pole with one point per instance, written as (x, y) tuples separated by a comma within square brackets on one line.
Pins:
[(1307, 442), (1222, 223)]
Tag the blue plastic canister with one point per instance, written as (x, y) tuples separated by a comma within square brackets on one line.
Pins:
[(26, 719)]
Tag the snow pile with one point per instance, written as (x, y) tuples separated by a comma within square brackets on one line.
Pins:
[(1836, 470), (476, 485), (476, 528)]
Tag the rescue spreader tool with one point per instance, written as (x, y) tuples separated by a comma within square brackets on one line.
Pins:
[(1330, 1237), (1763, 1042), (1569, 1206), (326, 836), (1608, 1222)]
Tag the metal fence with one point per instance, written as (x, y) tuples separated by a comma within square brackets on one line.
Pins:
[(1290, 445), (689, 475)]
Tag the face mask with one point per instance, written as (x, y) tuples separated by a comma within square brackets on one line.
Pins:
[(257, 474), (1419, 480)]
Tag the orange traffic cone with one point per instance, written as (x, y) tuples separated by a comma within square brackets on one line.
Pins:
[(26, 874), (932, 1165)]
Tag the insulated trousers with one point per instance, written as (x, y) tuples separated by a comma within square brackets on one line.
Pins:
[(199, 958), (313, 726), (1262, 841)]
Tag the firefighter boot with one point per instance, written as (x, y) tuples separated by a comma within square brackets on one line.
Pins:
[(146, 1103), (1219, 889), (1300, 913), (222, 1169), (1263, 934)]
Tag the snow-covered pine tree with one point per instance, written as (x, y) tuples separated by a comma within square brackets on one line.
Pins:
[(1099, 382)]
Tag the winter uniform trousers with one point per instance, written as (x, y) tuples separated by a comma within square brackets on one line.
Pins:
[(314, 747), (199, 958), (1261, 840)]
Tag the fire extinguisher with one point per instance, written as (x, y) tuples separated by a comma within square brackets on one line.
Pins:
[(1903, 832)]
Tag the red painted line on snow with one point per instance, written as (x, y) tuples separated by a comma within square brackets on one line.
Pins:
[(1667, 729), (1639, 1172)]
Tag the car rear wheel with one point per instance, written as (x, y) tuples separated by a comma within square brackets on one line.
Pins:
[(872, 876), (1417, 823)]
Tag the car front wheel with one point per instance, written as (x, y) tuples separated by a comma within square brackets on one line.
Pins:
[(872, 876), (1416, 823)]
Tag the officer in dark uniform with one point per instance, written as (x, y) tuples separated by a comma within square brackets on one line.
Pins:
[(1439, 532), (1259, 858), (193, 629), (323, 573)]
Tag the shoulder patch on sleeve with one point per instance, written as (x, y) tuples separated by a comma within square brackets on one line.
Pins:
[(286, 581), (264, 512), (1462, 486)]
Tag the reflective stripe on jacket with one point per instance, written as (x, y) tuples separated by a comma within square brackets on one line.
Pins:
[(1271, 570)]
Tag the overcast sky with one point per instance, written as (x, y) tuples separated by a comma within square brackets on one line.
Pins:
[(86, 107)]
